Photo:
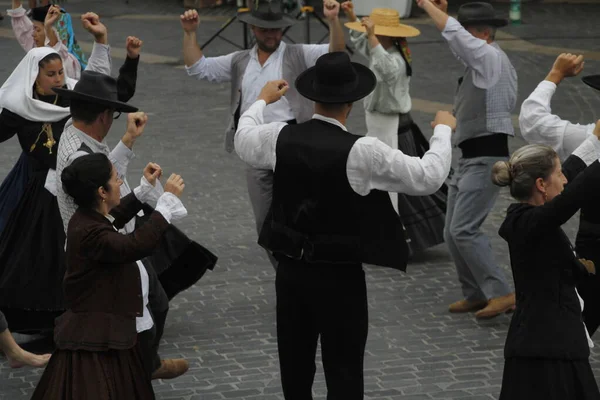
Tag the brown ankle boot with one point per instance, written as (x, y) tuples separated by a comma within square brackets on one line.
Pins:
[(170, 369), (497, 306)]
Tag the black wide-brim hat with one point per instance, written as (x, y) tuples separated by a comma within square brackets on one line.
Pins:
[(335, 79), (592, 81), (96, 88), (267, 15), (480, 13)]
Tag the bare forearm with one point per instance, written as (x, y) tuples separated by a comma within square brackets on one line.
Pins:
[(191, 51), (555, 77), (439, 17), (51, 35), (337, 41)]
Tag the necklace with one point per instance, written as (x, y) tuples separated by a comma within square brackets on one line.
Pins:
[(47, 129)]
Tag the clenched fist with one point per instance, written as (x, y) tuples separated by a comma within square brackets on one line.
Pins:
[(190, 21), (444, 118), (133, 46)]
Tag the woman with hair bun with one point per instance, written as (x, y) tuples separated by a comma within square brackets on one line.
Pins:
[(547, 347), (98, 354)]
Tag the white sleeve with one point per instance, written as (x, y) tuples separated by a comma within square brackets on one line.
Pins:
[(100, 60), (255, 142), (212, 69), (120, 156), (312, 52), (374, 165)]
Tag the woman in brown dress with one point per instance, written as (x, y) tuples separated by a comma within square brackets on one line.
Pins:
[(98, 356)]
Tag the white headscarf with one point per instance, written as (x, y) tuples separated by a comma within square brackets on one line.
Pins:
[(16, 94)]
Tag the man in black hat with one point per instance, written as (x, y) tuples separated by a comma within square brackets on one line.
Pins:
[(331, 213), (94, 106), (483, 103), (539, 125), (248, 70)]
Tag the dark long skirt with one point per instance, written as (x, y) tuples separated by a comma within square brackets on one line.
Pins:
[(102, 375), (12, 189), (529, 378), (423, 216)]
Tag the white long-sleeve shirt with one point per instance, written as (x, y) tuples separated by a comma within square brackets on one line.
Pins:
[(539, 125), (477, 54), (256, 76), (371, 163)]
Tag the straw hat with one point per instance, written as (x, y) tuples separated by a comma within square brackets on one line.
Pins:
[(387, 23)]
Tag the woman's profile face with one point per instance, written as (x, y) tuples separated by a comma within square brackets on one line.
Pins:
[(114, 190), (39, 34), (51, 75), (556, 182)]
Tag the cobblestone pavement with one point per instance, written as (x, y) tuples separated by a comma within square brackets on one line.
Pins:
[(225, 325)]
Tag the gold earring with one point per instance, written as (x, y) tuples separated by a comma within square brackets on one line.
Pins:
[(545, 197)]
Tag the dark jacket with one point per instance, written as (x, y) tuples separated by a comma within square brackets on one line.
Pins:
[(547, 322), (102, 283)]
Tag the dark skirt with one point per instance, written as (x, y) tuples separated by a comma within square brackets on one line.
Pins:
[(423, 216), (530, 378), (32, 260), (12, 189), (102, 375)]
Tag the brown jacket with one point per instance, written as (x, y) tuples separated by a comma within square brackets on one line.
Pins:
[(102, 285)]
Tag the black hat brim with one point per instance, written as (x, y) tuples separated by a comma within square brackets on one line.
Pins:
[(250, 19), (366, 84), (495, 22), (592, 81), (116, 105)]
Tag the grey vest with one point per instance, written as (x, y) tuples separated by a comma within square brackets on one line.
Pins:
[(292, 66), (482, 112)]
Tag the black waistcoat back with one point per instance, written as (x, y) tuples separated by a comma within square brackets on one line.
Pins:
[(316, 216)]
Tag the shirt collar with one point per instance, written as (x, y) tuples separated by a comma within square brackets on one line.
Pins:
[(280, 49), (330, 120), (95, 145)]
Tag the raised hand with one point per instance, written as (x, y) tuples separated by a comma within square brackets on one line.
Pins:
[(136, 122), (175, 185), (133, 46), (190, 21), (91, 23), (348, 8), (369, 26), (568, 64), (331, 9), (52, 16), (441, 4), (444, 118), (273, 91), (152, 172)]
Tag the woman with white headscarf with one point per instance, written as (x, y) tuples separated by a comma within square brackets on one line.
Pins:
[(32, 242)]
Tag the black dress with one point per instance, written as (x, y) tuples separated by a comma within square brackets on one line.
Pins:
[(546, 352), (32, 254)]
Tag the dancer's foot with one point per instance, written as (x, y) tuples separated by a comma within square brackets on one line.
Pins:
[(24, 358)]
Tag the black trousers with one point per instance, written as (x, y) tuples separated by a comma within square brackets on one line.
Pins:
[(3, 323), (158, 305), (323, 301)]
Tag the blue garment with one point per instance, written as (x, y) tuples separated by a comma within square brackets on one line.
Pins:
[(66, 35), (12, 189)]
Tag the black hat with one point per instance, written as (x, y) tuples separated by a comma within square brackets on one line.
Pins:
[(592, 81), (335, 79), (267, 14), (96, 88), (479, 13), (39, 13)]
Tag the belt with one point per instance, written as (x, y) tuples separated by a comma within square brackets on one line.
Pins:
[(494, 145)]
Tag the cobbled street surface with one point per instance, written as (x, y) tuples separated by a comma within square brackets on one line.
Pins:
[(225, 325)]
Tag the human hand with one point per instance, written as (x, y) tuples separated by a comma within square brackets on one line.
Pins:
[(348, 8), (444, 118), (133, 46), (175, 185), (566, 65), (369, 26), (136, 122), (331, 9), (273, 91), (589, 266), (52, 16), (152, 172), (190, 21), (91, 23), (441, 4)]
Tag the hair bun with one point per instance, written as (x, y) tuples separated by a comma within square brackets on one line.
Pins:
[(502, 173)]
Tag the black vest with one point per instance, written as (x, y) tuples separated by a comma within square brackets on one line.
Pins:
[(316, 216)]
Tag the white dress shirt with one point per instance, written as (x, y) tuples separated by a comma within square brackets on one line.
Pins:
[(539, 125), (391, 94), (483, 58), (371, 163), (218, 69)]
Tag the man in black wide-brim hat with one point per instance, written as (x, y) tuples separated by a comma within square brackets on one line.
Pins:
[(538, 125), (248, 70), (331, 212), (483, 104)]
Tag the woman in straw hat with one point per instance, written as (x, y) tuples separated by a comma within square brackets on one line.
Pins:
[(381, 38)]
